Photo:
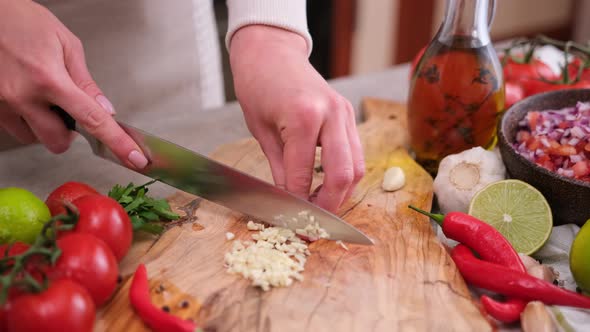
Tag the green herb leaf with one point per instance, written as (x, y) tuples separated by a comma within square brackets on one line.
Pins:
[(147, 213), (152, 228)]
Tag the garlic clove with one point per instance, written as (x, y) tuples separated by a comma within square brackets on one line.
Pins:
[(536, 318), (393, 179)]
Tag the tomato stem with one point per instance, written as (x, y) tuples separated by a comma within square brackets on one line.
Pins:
[(43, 247)]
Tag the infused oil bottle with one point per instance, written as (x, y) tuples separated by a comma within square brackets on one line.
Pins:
[(456, 94)]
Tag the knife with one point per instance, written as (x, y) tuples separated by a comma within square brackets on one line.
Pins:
[(199, 175)]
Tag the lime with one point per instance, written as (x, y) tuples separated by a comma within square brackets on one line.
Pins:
[(517, 210), (22, 215), (579, 258)]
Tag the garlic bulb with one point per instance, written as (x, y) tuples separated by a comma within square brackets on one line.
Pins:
[(462, 175)]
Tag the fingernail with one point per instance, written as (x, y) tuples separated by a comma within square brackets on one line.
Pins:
[(106, 104), (137, 159)]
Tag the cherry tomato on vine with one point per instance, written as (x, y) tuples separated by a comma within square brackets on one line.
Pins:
[(535, 69), (88, 261), (574, 68), (106, 219), (67, 192), (533, 87), (64, 306), (513, 92), (15, 248)]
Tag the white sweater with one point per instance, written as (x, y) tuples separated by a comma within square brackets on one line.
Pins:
[(153, 55)]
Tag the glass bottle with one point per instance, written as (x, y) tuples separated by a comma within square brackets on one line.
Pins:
[(457, 93)]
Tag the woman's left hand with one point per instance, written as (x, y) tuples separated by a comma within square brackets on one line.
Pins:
[(290, 109)]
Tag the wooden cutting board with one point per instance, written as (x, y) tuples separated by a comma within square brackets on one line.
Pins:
[(406, 281)]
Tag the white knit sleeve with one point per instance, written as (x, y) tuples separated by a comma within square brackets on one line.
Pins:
[(286, 14)]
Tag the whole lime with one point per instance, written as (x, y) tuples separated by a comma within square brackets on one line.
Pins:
[(22, 215), (580, 258)]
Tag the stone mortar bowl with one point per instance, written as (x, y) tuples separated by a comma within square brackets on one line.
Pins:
[(569, 198)]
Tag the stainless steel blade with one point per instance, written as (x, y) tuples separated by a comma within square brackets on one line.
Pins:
[(199, 175)]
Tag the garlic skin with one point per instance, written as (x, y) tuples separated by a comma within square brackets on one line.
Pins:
[(462, 175)]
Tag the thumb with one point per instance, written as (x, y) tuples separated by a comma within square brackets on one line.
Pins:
[(75, 63)]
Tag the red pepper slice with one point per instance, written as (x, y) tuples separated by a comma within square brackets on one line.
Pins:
[(157, 319), (492, 246), (508, 282)]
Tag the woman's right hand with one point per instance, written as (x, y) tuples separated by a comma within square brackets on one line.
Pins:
[(42, 64)]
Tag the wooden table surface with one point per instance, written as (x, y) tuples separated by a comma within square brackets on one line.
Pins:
[(39, 171)]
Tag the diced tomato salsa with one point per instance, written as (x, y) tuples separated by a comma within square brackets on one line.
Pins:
[(558, 140)]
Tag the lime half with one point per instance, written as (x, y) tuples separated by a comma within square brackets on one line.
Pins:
[(517, 210)]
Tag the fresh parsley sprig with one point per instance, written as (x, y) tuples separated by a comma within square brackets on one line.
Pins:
[(146, 213)]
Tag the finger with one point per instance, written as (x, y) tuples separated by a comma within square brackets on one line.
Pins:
[(48, 128), (15, 126), (273, 150), (356, 149), (299, 155), (98, 123), (337, 164), (75, 62)]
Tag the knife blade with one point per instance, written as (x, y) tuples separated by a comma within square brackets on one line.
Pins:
[(197, 174)]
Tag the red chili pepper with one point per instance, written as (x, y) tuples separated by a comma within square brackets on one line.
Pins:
[(508, 282), (507, 312), (157, 319), (492, 246)]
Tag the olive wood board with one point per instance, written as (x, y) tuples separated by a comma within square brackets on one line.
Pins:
[(405, 282)]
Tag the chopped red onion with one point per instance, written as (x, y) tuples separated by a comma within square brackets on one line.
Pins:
[(556, 131)]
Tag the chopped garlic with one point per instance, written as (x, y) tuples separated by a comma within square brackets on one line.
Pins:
[(393, 179), (340, 243), (254, 226), (229, 236), (275, 258), (313, 232)]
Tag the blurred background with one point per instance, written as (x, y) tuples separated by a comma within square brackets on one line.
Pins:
[(353, 37)]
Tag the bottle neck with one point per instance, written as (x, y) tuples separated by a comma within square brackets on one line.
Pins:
[(468, 20)]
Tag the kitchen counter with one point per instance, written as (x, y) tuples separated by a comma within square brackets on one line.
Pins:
[(40, 171)]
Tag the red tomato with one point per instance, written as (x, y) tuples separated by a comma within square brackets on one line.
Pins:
[(64, 306), (535, 69), (106, 219), (532, 87), (67, 192), (581, 169), (16, 248), (574, 68), (514, 93), (88, 261)]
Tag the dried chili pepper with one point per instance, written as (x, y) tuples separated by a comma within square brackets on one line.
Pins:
[(492, 246), (508, 282), (157, 319)]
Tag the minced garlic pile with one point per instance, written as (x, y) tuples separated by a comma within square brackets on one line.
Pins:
[(275, 258)]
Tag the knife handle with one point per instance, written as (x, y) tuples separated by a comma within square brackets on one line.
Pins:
[(66, 118)]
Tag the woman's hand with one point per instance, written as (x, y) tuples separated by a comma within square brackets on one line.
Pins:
[(42, 64), (290, 109)]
